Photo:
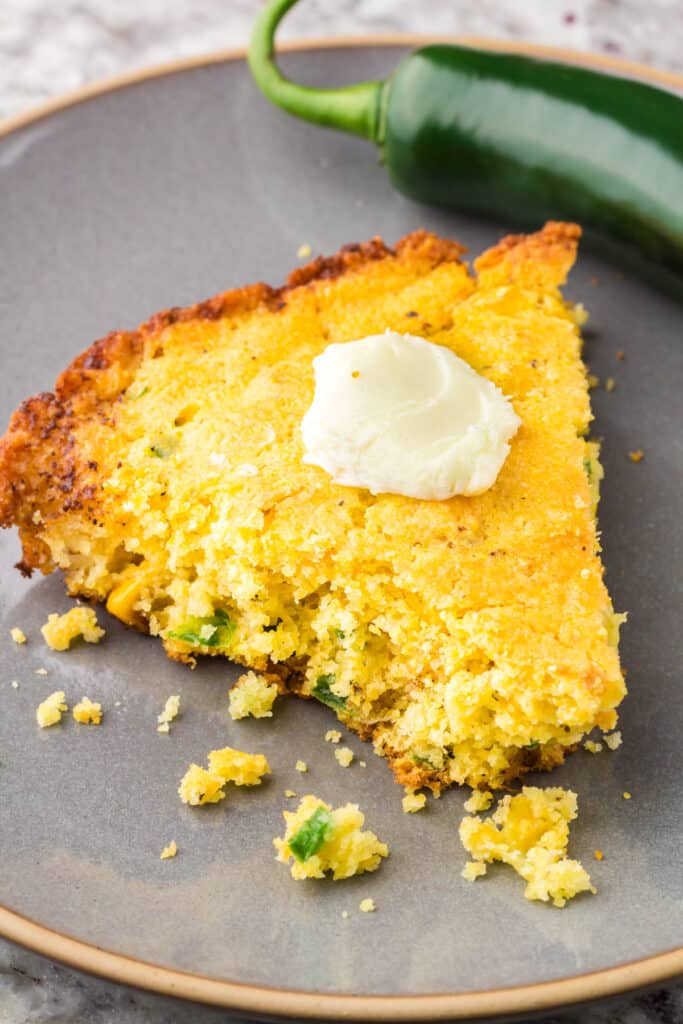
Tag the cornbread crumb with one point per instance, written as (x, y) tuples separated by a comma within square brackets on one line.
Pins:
[(301, 766), (18, 635), (530, 832), (413, 802), (598, 855), (290, 792), (50, 711), (333, 736), (198, 787), (341, 847), (304, 251), (60, 630), (169, 851), (592, 747), (473, 869), (363, 764), (610, 384), (169, 714), (613, 741), (593, 381), (252, 696), (344, 756), (480, 800), (238, 767), (41, 671), (14, 684), (627, 795), (580, 314), (367, 906), (637, 456), (345, 914), (88, 712)]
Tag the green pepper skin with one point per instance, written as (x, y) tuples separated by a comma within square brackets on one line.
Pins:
[(528, 139)]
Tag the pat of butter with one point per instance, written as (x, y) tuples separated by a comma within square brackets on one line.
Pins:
[(394, 413)]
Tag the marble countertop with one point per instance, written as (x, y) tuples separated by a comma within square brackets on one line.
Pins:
[(48, 48)]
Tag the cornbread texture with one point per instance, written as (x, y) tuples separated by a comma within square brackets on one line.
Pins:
[(170, 712), (87, 712), (252, 696), (339, 845), (530, 832), (413, 802), (473, 639), (49, 711), (201, 786), (61, 630)]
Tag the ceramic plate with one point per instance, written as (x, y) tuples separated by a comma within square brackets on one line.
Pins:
[(161, 192)]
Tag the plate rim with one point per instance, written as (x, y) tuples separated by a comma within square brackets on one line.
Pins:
[(293, 1003)]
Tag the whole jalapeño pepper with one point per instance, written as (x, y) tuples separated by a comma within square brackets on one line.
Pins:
[(510, 135)]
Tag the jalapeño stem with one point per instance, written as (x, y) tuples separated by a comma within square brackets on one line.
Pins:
[(352, 108)]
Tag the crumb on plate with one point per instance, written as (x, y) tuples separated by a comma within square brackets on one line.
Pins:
[(60, 630), (252, 696), (238, 767), (413, 802), (333, 736), (319, 838), (207, 786), (301, 766), (530, 832), (637, 456), (169, 714), (50, 711), (199, 786), (473, 869), (344, 756), (367, 906), (304, 251), (592, 747), (613, 740), (18, 635), (169, 851), (87, 712)]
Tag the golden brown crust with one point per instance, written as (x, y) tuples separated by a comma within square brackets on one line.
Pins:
[(42, 473), (544, 258)]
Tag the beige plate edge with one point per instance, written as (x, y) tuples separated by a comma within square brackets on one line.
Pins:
[(308, 1005)]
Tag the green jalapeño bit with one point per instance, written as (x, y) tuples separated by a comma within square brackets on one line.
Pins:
[(312, 834), (510, 135)]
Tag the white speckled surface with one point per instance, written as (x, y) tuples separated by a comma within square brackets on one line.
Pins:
[(47, 48)]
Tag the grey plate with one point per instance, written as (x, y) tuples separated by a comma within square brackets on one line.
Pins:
[(162, 193)]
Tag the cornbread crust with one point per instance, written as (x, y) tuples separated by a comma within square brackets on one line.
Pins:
[(501, 616)]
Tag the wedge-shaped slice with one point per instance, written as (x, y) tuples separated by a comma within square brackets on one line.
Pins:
[(472, 638)]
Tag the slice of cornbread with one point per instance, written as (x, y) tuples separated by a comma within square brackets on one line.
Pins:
[(472, 638)]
